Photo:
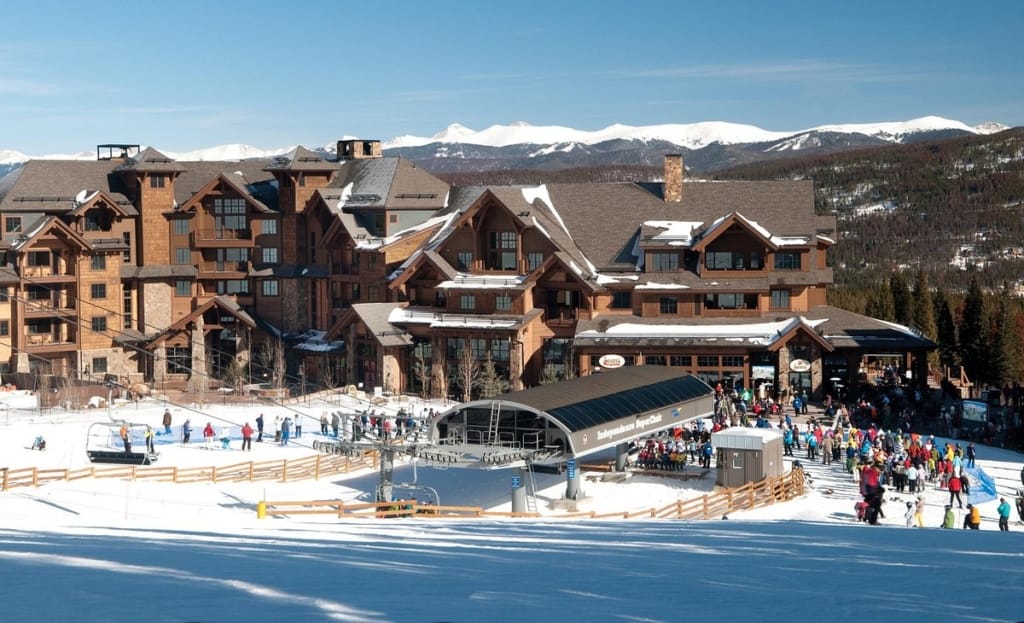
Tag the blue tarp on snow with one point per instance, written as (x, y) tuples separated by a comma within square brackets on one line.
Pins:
[(983, 488)]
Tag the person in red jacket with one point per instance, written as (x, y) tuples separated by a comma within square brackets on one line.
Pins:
[(954, 490), (247, 437), (208, 435)]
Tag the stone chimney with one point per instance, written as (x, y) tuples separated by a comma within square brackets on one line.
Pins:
[(673, 189)]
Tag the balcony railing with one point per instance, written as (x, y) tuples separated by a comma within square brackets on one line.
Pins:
[(223, 234), (55, 306), (558, 315), (224, 267)]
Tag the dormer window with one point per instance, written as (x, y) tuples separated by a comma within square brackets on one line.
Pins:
[(97, 220), (502, 250), (12, 224), (662, 262)]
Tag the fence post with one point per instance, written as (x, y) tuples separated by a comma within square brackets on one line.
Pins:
[(705, 506), (679, 509), (316, 468), (284, 470), (35, 476), (252, 471), (213, 474), (174, 474), (5, 479)]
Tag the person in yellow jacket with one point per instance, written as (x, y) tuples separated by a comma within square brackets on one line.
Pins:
[(973, 518)]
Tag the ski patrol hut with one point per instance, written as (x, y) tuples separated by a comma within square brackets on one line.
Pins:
[(747, 455)]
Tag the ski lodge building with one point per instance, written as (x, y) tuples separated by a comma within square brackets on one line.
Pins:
[(371, 271)]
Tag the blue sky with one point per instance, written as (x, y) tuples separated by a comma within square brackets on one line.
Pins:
[(192, 74)]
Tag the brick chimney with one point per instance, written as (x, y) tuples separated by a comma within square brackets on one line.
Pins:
[(673, 189)]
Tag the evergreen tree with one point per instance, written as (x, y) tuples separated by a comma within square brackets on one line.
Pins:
[(491, 384), (901, 303), (945, 330), (1002, 358), (973, 331), (923, 315), (880, 304), (549, 375)]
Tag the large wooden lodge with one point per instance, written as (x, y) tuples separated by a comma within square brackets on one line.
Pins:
[(371, 271)]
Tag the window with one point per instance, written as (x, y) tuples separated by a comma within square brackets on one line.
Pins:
[(659, 262), (180, 227), (39, 327), (156, 180), (126, 255), (500, 351), (182, 287), (39, 258), (268, 226), (655, 360), (622, 299), (179, 359), (357, 293), (379, 226), (127, 307), (478, 348), (270, 287), (97, 220), (182, 256), (270, 255), (680, 361), (99, 365), (465, 260), (12, 224), (229, 213), (5, 327), (732, 361), (98, 262), (232, 259), (98, 290), (233, 286), (730, 300), (707, 361), (99, 324), (503, 302), (5, 294), (502, 250), (467, 302), (668, 305), (780, 299), (787, 260), (393, 218), (533, 260)]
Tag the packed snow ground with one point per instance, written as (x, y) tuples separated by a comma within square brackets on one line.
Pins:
[(113, 549)]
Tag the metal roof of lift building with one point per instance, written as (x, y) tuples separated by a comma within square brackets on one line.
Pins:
[(591, 413)]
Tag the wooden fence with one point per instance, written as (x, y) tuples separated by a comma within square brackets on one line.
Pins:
[(709, 506), (316, 467)]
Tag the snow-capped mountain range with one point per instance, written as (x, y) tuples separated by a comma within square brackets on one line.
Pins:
[(523, 145)]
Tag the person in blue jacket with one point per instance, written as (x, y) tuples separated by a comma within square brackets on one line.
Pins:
[(1004, 515)]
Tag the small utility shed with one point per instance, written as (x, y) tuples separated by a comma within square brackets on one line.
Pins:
[(747, 455)]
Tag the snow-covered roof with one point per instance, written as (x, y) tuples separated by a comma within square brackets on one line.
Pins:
[(474, 282), (755, 333), (675, 233), (404, 315)]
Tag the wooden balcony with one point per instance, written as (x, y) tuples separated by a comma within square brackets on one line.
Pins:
[(558, 316), (223, 270), (45, 273), (222, 238), (47, 343), (49, 308)]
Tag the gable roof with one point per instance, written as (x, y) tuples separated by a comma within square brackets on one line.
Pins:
[(388, 183), (374, 317), (151, 160), (231, 182), (222, 302), (606, 218)]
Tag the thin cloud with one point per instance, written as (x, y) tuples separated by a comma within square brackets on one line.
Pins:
[(27, 88), (786, 71)]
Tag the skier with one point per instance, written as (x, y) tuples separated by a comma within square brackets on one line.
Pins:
[(186, 431)]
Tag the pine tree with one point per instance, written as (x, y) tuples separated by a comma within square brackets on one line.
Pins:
[(901, 303), (923, 315), (1002, 358), (880, 304), (491, 384), (945, 330), (974, 347), (549, 375)]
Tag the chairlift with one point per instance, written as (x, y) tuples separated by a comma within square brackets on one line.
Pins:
[(103, 444)]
